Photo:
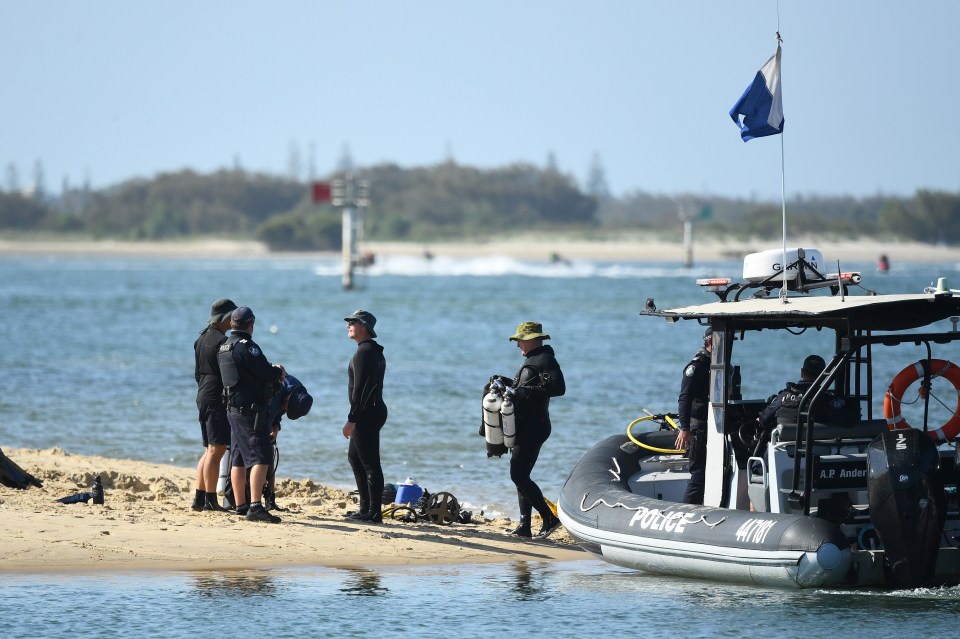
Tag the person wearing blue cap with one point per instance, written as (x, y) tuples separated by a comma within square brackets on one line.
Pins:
[(367, 414), (292, 400), (692, 409)]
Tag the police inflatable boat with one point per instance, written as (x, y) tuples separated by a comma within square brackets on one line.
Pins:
[(860, 501)]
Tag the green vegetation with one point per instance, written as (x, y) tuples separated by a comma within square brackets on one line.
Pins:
[(448, 202)]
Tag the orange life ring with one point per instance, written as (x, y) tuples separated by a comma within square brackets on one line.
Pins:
[(891, 401)]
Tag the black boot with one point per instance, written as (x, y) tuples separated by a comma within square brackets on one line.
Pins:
[(270, 503), (372, 516), (258, 513), (522, 530), (374, 513), (199, 499), (270, 500), (550, 523), (212, 505), (374, 505), (361, 511)]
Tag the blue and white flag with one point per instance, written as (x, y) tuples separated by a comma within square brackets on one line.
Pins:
[(761, 105)]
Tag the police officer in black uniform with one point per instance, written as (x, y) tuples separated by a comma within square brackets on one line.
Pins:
[(249, 381), (789, 398), (693, 407)]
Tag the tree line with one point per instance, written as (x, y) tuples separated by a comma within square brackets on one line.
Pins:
[(449, 201)]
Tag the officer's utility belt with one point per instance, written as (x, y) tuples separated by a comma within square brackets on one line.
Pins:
[(253, 409), (259, 413)]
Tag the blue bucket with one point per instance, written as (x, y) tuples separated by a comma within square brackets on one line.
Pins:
[(408, 494)]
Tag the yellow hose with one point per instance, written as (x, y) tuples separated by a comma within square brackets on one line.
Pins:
[(665, 451)]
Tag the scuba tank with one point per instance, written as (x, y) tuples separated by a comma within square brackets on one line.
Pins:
[(492, 425), (224, 480), (492, 430), (507, 420)]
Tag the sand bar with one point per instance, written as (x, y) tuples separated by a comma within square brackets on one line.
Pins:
[(146, 523)]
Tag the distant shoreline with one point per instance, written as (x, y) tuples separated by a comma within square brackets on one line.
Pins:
[(540, 248)]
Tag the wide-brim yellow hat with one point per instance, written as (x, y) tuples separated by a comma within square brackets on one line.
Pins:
[(529, 330)]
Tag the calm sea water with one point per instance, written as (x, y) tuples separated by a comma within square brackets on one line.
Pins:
[(569, 599), (97, 359)]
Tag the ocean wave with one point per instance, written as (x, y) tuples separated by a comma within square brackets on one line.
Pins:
[(498, 266)]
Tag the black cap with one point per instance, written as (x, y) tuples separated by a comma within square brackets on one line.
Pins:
[(364, 317), (299, 403), (814, 364), (220, 310), (707, 334), (242, 316)]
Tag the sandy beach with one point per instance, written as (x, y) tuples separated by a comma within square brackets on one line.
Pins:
[(146, 523), (638, 249)]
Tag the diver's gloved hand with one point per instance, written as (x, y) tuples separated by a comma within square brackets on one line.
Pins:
[(519, 392)]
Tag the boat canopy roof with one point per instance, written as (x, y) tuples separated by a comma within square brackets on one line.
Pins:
[(861, 312)]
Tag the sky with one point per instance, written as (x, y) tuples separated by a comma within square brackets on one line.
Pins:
[(110, 90)]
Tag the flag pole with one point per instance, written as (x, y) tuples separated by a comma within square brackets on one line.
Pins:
[(783, 192), (759, 113), (783, 209)]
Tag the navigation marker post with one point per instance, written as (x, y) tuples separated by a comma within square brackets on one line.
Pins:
[(687, 217), (352, 196)]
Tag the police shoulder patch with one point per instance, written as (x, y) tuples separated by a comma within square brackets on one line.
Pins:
[(254, 351), (689, 370)]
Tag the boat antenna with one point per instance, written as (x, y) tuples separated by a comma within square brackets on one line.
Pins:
[(843, 289)]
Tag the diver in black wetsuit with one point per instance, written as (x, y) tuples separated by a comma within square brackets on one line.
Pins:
[(539, 379), (214, 427), (367, 414)]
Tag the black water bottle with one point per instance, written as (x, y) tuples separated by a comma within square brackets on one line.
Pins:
[(97, 490)]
